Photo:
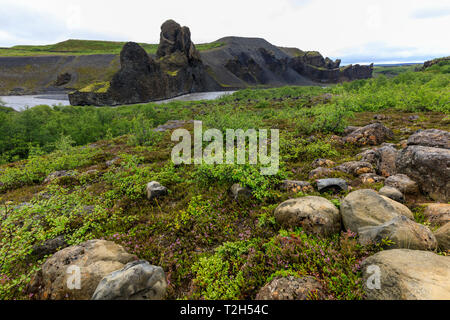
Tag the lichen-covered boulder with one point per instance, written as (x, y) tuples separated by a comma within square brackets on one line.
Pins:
[(94, 259), (431, 138), (355, 168), (291, 288), (429, 167), (315, 215), (402, 274), (373, 134), (138, 280)]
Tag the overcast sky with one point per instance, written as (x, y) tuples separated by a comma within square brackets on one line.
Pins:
[(354, 30)]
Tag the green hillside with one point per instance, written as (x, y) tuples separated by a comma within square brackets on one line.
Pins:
[(83, 47)]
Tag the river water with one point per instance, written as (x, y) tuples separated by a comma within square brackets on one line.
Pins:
[(19, 103)]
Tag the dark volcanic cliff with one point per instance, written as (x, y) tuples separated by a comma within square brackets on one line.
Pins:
[(177, 69)]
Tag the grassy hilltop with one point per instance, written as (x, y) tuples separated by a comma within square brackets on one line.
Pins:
[(83, 47), (209, 246)]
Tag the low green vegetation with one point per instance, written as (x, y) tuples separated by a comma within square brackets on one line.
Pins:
[(392, 71), (84, 47), (209, 245)]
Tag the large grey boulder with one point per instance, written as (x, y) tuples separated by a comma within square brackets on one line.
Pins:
[(429, 167), (403, 232), (315, 215), (402, 274), (291, 288), (364, 208), (138, 280), (94, 259), (431, 138)]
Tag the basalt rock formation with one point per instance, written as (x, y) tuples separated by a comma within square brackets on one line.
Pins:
[(314, 66), (177, 69)]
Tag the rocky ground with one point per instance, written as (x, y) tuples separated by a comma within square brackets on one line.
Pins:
[(128, 219)]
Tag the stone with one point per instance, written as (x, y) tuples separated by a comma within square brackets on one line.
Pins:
[(431, 138), (172, 125), (370, 178), (112, 162), (386, 161), (138, 280), (373, 134), (48, 247), (296, 186), (405, 234), (155, 190), (315, 215), (429, 167), (392, 193), (402, 183), (332, 184), (406, 275), (57, 174), (437, 214), (63, 79), (364, 208), (355, 168), (291, 288), (320, 172), (95, 259), (348, 130), (322, 163), (443, 237), (240, 193)]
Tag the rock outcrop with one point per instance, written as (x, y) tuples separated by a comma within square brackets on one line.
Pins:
[(402, 274), (176, 70), (314, 66), (291, 288)]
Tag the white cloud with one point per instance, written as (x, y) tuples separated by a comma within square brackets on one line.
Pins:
[(336, 28)]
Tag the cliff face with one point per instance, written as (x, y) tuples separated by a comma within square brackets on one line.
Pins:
[(177, 69), (249, 61)]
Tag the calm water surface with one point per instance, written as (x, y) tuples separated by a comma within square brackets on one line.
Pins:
[(21, 102)]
